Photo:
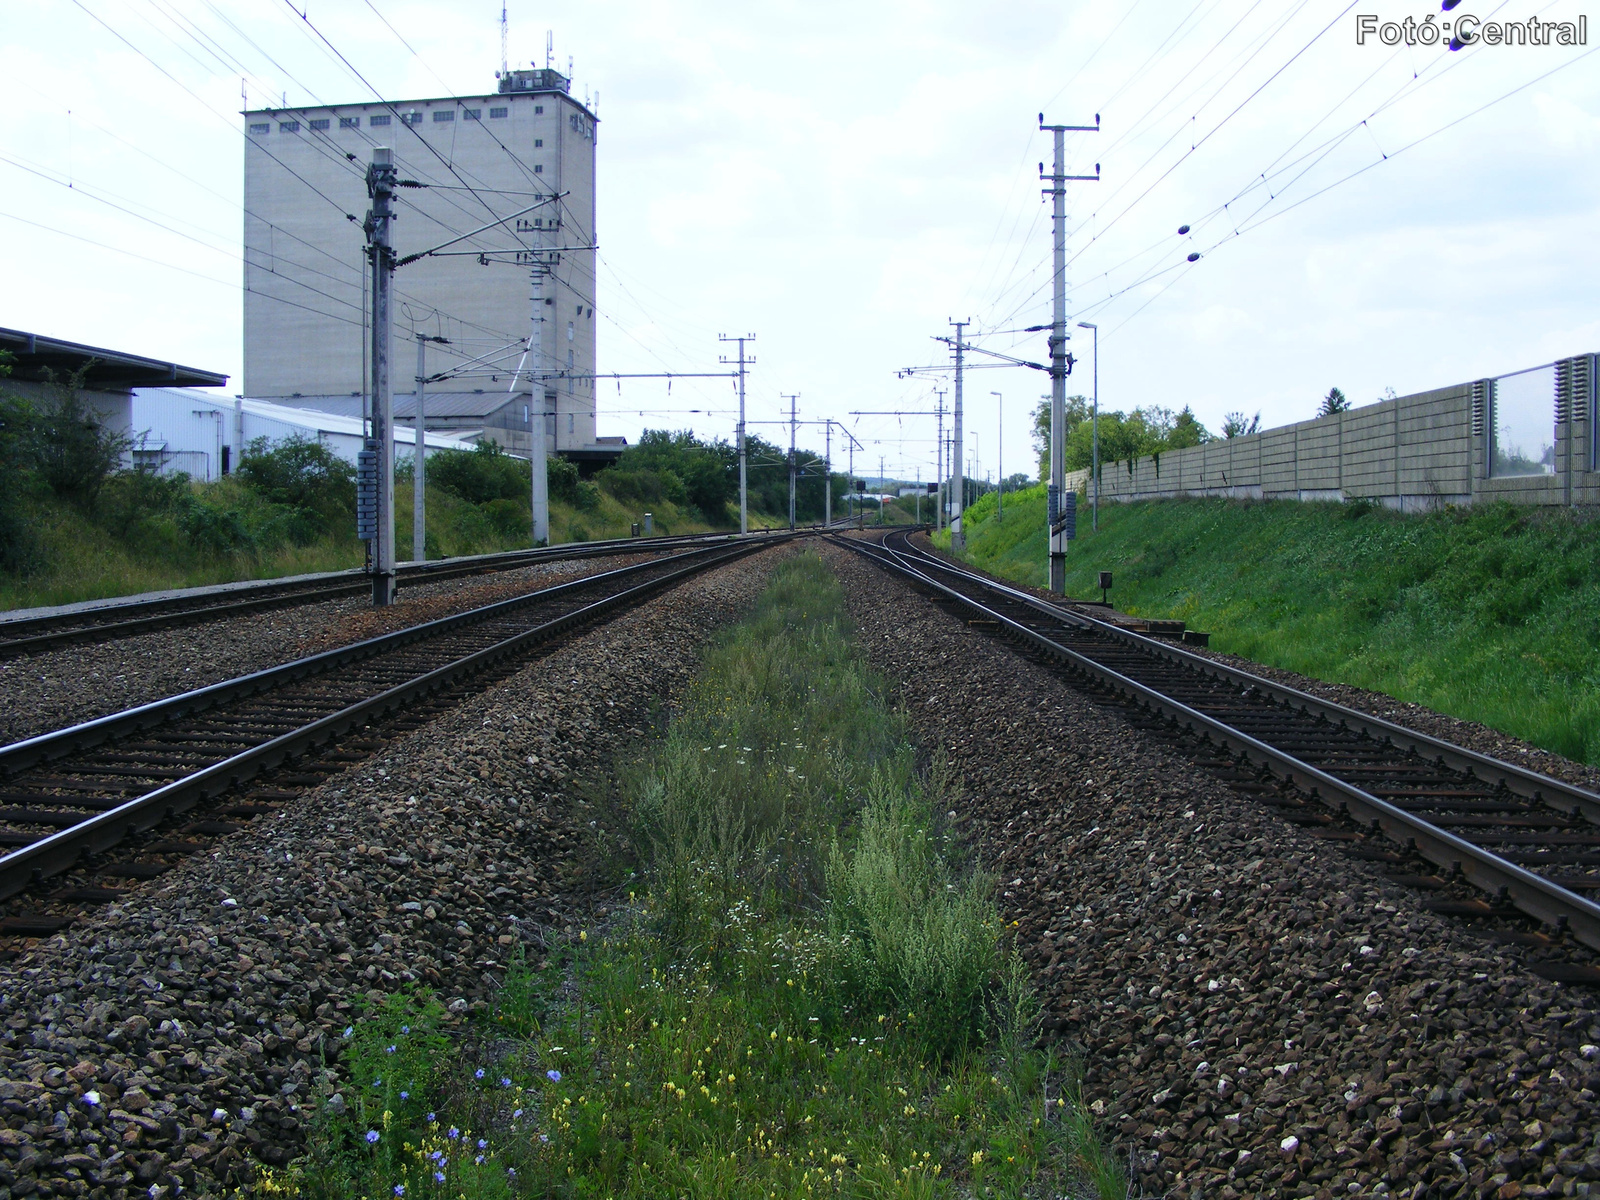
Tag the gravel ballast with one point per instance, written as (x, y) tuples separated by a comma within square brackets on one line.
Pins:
[(1259, 1014), (43, 692), (176, 1037)]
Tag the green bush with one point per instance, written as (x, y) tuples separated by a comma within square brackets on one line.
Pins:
[(481, 474)]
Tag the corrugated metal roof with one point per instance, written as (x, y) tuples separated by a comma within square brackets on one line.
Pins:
[(311, 420), (443, 405)]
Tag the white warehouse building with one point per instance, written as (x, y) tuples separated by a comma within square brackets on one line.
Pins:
[(467, 163), (204, 435)]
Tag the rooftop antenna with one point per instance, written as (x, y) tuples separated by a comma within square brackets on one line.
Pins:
[(505, 65), (549, 48), (569, 66)]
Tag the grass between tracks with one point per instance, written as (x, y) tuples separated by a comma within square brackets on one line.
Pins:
[(806, 993), (1490, 613)]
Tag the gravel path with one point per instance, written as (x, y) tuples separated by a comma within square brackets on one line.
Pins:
[(197, 1011), (1260, 1015), (49, 691)]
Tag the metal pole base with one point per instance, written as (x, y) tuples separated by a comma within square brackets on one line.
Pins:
[(382, 590)]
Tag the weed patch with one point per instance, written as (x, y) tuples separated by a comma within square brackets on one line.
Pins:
[(807, 992)]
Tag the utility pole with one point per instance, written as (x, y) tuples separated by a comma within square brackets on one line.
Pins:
[(380, 256), (880, 489), (938, 470), (958, 538), (1060, 360), (856, 504), (792, 400), (827, 473), (538, 397), (744, 506), (419, 508)]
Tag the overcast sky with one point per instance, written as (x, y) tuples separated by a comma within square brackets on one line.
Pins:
[(843, 179)]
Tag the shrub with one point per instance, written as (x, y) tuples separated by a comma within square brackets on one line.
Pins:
[(481, 474), (305, 476), (69, 448)]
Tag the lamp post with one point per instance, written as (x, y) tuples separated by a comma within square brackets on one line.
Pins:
[(1094, 469), (1000, 457)]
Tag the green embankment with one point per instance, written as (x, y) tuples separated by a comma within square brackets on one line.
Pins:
[(1490, 614)]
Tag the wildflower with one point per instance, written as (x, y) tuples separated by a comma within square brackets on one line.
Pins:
[(349, 1029), (478, 1074), (405, 1029), (505, 1082), (977, 1157), (512, 1171), (482, 1145), (438, 1176), (432, 1118), (544, 1137), (372, 1136), (478, 1161), (515, 1113), (405, 1095), (436, 1155), (390, 1050), (454, 1133), (399, 1189), (553, 1075)]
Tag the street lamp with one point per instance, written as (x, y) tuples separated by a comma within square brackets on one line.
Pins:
[(1000, 457), (1094, 469)]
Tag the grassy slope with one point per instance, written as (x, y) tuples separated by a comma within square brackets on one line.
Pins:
[(1490, 614), (87, 563)]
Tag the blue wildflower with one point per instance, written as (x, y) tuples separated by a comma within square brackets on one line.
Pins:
[(439, 1176), (399, 1189), (478, 1074), (405, 1095), (505, 1082), (553, 1075), (482, 1145), (390, 1050), (454, 1133), (349, 1029), (372, 1136)]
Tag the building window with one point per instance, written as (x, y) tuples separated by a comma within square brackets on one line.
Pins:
[(537, 143), (349, 122), (538, 168), (443, 115), (375, 121), (496, 113), (472, 114), (538, 109), (569, 360), (263, 127), (288, 126), (414, 118), (320, 123)]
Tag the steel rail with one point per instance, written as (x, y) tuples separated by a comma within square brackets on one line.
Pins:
[(106, 622), (19, 756), (60, 851), (1530, 785), (1532, 894)]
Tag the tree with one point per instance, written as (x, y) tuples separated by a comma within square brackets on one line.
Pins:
[(1333, 402), (1236, 424), (1078, 410)]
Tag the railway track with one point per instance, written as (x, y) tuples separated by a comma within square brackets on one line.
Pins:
[(69, 796), (124, 618), (1528, 842)]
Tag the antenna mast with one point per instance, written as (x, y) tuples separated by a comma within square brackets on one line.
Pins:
[(549, 47), (505, 64)]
